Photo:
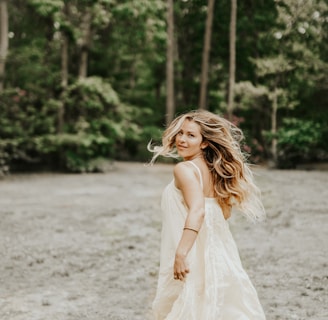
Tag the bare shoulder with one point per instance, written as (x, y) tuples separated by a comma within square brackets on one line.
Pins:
[(183, 174), (182, 168)]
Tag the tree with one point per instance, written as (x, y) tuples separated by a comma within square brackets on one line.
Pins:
[(294, 66), (170, 107), (64, 46), (84, 44), (3, 40), (232, 55), (206, 55), (274, 70)]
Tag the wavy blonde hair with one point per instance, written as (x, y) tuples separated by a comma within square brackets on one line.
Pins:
[(231, 174)]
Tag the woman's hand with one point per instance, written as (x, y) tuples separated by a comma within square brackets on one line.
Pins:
[(180, 267)]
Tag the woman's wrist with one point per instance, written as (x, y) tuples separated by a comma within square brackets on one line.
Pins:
[(181, 253)]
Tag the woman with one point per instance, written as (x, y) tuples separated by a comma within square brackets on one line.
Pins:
[(201, 276)]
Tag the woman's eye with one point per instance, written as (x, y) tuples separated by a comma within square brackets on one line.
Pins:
[(191, 135)]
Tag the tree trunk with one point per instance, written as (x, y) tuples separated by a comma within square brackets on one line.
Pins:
[(64, 81), (64, 72), (85, 44), (274, 127), (3, 40), (170, 107), (232, 58), (206, 55), (64, 60)]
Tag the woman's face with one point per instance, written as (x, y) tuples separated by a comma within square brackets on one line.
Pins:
[(189, 141)]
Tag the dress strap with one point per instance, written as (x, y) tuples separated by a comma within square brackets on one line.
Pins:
[(200, 174)]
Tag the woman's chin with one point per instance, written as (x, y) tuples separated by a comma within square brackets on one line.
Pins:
[(182, 155)]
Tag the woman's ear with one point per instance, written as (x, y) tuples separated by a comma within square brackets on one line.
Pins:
[(204, 145)]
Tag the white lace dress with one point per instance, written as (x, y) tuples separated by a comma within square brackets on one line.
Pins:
[(217, 287)]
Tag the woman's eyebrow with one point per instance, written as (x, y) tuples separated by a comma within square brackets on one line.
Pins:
[(189, 131)]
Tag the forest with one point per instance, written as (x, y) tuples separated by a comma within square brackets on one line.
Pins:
[(87, 81)]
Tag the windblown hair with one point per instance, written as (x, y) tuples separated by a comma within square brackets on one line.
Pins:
[(231, 174)]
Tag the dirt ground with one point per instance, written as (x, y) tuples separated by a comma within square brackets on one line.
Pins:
[(87, 246)]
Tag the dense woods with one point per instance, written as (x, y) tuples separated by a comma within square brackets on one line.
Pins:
[(86, 80)]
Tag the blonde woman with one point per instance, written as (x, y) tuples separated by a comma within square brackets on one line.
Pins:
[(201, 276)]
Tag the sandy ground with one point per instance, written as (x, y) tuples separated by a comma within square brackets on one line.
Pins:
[(87, 246)]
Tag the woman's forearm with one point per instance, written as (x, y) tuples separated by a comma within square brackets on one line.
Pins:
[(190, 232)]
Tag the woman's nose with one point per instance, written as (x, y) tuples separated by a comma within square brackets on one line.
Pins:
[(182, 138)]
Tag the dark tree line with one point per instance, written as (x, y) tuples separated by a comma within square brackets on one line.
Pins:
[(86, 80)]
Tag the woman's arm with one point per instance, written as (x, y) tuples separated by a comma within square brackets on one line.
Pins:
[(187, 181)]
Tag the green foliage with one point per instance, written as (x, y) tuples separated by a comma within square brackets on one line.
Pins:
[(77, 151), (24, 114), (97, 125), (35, 69), (4, 167), (139, 151), (88, 99), (47, 7), (248, 96), (281, 58), (297, 141)]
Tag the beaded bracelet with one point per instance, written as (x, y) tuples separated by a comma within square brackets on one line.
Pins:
[(190, 229)]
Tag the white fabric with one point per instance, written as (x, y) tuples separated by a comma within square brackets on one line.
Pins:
[(217, 287)]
